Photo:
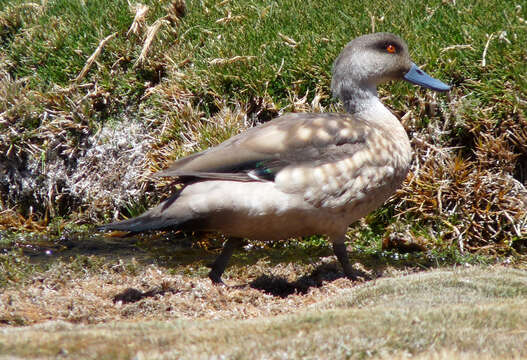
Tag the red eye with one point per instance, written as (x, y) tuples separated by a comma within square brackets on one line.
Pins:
[(390, 48)]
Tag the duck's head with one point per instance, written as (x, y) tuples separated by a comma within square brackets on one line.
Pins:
[(370, 60)]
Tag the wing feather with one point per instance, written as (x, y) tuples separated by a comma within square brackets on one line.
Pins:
[(260, 153)]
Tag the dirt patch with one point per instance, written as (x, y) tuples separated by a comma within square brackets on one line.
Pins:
[(154, 294)]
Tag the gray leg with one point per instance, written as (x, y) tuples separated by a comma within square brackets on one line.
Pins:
[(339, 248), (219, 265)]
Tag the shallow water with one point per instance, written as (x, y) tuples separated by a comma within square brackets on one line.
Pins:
[(165, 249), (43, 248)]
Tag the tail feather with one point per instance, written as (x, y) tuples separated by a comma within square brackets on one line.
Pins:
[(138, 224), (163, 216)]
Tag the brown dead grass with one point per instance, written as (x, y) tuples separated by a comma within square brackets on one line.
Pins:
[(463, 313), (10, 219), (465, 189), (112, 293)]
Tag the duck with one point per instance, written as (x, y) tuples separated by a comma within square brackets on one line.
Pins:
[(300, 174)]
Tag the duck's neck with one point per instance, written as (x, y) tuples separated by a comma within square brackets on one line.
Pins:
[(363, 103), (357, 99)]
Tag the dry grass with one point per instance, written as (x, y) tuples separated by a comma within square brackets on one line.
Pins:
[(10, 219), (55, 121), (456, 314), (466, 185), (86, 291)]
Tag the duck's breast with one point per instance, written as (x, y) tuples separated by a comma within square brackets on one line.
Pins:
[(357, 184)]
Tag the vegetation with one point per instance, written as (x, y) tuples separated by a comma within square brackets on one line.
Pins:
[(95, 96), (195, 80), (464, 313)]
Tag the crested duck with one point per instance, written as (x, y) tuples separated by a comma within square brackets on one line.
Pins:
[(302, 173)]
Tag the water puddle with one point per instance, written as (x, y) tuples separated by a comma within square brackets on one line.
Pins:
[(42, 248), (165, 249)]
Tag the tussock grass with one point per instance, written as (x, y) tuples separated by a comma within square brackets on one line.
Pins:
[(181, 78), (455, 314)]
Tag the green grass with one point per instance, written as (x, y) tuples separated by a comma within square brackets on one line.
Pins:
[(200, 101), (320, 29), (61, 35), (47, 46), (14, 268)]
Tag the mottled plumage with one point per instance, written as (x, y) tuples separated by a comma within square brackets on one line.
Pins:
[(300, 174)]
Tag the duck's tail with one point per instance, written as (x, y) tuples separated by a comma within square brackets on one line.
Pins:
[(163, 216)]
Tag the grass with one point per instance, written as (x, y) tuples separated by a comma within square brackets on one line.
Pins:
[(79, 150), (464, 313), (225, 66)]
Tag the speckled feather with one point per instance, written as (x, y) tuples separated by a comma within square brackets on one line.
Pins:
[(331, 159)]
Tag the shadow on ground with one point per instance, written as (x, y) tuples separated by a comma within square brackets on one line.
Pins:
[(281, 287), (174, 251), (277, 286)]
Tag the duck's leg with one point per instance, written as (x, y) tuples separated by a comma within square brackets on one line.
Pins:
[(339, 248), (219, 265)]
